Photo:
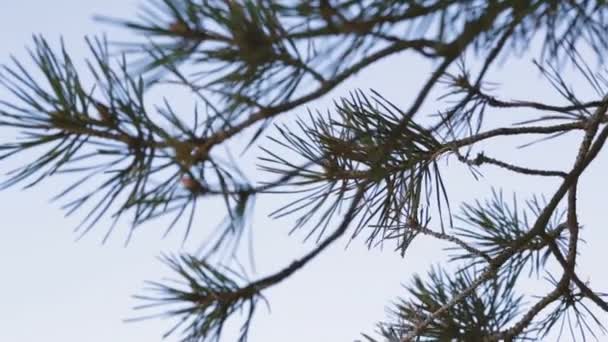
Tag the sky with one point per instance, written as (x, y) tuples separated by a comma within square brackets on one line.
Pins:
[(55, 288)]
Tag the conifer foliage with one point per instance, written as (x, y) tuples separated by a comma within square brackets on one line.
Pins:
[(365, 168)]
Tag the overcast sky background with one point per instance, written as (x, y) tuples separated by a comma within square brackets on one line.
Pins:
[(56, 289)]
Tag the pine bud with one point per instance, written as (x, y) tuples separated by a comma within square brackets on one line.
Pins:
[(184, 154), (104, 114), (179, 28), (61, 119), (462, 81), (412, 222), (191, 184)]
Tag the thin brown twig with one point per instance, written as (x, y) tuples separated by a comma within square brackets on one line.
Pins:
[(483, 159), (446, 237)]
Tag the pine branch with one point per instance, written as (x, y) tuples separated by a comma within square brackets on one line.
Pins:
[(587, 152), (250, 62)]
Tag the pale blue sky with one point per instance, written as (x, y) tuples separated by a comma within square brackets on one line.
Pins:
[(56, 289)]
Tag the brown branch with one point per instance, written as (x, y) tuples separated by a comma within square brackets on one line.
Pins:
[(483, 159), (497, 103), (507, 131), (585, 290), (452, 239), (276, 278)]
